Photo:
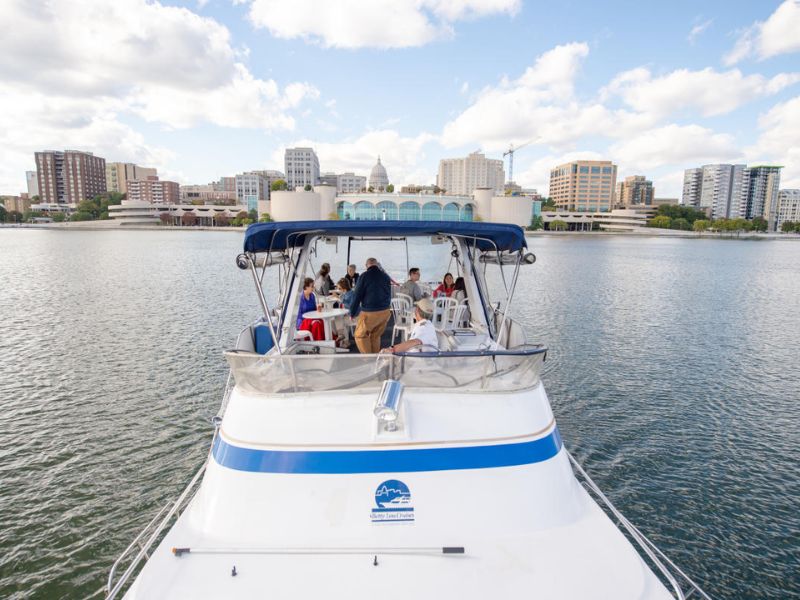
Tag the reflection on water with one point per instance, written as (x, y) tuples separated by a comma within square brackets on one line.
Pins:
[(672, 371)]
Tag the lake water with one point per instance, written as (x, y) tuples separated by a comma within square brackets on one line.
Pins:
[(673, 372)]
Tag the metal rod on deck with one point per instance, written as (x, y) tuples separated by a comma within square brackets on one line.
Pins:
[(112, 593), (420, 550), (263, 301)]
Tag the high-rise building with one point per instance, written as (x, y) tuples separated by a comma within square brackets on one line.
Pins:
[(462, 176), (635, 190), (70, 176), (153, 190), (733, 191), (721, 190), (301, 166), (251, 187), (717, 189), (761, 187), (118, 174), (692, 185), (32, 180), (584, 185), (788, 207)]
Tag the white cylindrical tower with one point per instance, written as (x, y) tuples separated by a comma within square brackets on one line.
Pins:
[(327, 200), (295, 206), (483, 202), (512, 209)]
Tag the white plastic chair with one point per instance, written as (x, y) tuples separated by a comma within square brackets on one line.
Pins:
[(456, 317), (403, 317), (442, 307)]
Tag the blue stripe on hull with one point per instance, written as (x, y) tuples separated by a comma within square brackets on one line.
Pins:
[(385, 461)]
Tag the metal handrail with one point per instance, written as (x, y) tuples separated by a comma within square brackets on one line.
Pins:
[(114, 589), (648, 547)]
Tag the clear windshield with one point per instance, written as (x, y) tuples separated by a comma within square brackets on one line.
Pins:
[(468, 371)]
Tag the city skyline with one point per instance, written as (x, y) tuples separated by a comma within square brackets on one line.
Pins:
[(207, 89)]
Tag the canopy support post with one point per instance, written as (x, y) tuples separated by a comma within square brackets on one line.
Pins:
[(509, 298), (263, 300)]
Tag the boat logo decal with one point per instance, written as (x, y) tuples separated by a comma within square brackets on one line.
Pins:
[(393, 503)]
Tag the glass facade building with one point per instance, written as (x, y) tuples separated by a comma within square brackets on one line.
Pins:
[(405, 207)]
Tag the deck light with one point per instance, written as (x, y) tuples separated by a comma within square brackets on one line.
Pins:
[(387, 406)]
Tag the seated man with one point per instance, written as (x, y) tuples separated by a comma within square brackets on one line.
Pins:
[(423, 332), (411, 287)]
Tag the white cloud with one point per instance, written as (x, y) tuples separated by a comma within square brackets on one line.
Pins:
[(779, 34), (539, 106), (673, 144), (778, 143), (708, 91), (31, 121), (542, 105), (373, 24), (73, 71), (403, 157), (698, 29), (669, 185)]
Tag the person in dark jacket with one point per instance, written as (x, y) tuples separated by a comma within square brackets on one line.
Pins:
[(373, 296)]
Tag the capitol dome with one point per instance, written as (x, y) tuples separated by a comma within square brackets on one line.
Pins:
[(378, 179)]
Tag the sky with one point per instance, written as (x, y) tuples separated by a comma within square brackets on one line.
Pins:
[(208, 88)]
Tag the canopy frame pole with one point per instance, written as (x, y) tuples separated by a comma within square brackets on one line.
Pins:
[(481, 281), (263, 300), (509, 299)]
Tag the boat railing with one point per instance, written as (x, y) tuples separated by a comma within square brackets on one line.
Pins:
[(142, 543), (467, 371), (683, 587)]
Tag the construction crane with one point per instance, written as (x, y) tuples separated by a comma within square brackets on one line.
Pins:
[(510, 154)]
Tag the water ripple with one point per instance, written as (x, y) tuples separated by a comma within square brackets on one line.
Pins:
[(672, 372)]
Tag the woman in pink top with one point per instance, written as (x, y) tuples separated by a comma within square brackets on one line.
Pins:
[(446, 288)]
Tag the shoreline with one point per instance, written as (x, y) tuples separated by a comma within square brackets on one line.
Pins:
[(644, 233), (672, 233), (106, 226)]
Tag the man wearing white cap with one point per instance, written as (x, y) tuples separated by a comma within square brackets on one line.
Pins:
[(423, 334)]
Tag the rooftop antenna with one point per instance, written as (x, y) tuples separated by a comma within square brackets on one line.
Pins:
[(510, 154)]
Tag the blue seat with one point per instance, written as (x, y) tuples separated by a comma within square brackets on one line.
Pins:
[(263, 337)]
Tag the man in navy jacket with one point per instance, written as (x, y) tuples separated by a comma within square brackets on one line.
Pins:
[(373, 294)]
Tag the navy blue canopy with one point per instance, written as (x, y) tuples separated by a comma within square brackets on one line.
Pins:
[(263, 237)]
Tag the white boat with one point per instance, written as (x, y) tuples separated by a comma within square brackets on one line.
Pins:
[(431, 474)]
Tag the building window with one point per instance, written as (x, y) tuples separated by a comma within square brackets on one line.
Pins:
[(450, 212), (344, 210), (607, 170), (409, 211), (595, 169), (387, 210), (584, 169), (364, 211), (432, 211)]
